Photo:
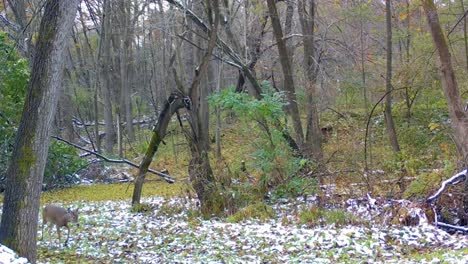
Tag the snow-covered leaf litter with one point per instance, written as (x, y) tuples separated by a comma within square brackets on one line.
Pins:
[(9, 256), (109, 231)]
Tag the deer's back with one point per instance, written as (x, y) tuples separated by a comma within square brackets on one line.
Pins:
[(54, 214)]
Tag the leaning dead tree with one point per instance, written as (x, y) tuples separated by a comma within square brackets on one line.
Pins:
[(200, 172), (175, 102)]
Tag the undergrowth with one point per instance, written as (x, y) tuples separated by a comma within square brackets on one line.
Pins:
[(258, 210), (316, 216)]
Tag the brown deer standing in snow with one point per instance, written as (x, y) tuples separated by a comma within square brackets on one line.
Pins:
[(59, 217)]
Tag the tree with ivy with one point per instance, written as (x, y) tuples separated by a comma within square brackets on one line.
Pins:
[(18, 229)]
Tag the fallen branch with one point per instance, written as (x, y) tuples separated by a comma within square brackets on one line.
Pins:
[(452, 181), (166, 177), (80, 123), (458, 228)]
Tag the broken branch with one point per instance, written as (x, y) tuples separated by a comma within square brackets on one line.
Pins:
[(166, 177)]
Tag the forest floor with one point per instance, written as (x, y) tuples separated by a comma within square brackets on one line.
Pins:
[(171, 231)]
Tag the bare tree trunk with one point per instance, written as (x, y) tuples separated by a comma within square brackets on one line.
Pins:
[(457, 115), (119, 134), (96, 117), (125, 49), (95, 80), (388, 82), (451, 90), (200, 171), (105, 76), (285, 60), (465, 36), (67, 113), (206, 90), (313, 146), (288, 27), (23, 34), (218, 112), (18, 229), (363, 62), (408, 56), (115, 72)]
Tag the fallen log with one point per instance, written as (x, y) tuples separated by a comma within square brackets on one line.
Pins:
[(80, 123), (457, 178)]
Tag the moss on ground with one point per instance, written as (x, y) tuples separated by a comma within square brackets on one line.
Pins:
[(101, 192)]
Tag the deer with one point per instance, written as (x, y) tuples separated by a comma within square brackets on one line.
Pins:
[(59, 217)]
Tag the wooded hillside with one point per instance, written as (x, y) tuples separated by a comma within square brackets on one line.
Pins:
[(235, 102)]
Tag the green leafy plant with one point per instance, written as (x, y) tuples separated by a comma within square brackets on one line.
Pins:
[(141, 208), (423, 185), (273, 159), (14, 75), (62, 164), (314, 216), (258, 210)]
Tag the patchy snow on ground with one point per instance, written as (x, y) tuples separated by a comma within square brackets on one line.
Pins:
[(9, 256), (110, 231)]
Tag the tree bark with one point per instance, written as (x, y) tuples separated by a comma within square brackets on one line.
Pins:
[(450, 86), (105, 72), (125, 50), (218, 112), (23, 35), (451, 90), (313, 145), (465, 34), (201, 175), (285, 61), (18, 229), (200, 171), (174, 103), (388, 82)]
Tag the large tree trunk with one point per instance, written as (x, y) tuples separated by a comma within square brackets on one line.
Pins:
[(105, 78), (125, 59), (285, 60), (201, 99), (200, 171), (18, 227), (313, 145), (450, 86), (388, 82)]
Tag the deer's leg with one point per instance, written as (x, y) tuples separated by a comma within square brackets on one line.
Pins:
[(68, 234), (49, 227), (44, 220), (58, 232)]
